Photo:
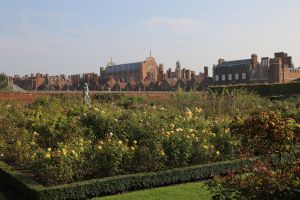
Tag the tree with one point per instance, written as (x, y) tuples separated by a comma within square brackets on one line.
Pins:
[(3, 83)]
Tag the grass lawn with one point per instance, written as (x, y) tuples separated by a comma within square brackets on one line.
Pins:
[(183, 191)]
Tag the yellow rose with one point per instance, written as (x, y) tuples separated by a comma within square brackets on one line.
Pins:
[(48, 155), (64, 152), (199, 110)]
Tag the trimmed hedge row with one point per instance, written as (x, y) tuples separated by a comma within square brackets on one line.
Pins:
[(18, 181), (29, 189), (285, 89)]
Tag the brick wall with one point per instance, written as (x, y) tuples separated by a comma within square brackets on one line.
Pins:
[(290, 74)]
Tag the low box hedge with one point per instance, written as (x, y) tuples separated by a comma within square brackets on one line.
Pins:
[(29, 189)]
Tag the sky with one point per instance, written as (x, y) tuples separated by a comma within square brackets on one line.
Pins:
[(77, 36)]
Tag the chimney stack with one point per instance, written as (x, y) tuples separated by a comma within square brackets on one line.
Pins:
[(220, 61), (205, 72), (254, 60)]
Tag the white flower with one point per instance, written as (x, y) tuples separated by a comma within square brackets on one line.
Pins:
[(35, 133), (188, 114)]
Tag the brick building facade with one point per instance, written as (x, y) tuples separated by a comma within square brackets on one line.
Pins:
[(279, 69), (147, 70), (236, 71), (148, 76), (282, 69)]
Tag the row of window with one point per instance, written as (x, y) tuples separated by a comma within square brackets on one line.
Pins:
[(229, 77)]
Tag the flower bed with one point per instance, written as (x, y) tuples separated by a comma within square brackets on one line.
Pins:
[(61, 141)]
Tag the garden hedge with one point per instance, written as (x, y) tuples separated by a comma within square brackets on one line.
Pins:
[(29, 189), (285, 89)]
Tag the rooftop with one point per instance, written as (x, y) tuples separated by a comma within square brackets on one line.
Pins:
[(235, 63), (124, 67)]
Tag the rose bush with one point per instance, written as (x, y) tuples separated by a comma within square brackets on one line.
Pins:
[(62, 141)]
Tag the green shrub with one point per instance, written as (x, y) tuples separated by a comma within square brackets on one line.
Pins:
[(131, 101), (285, 89), (107, 97), (170, 134)]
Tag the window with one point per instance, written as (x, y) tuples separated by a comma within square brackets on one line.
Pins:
[(230, 77), (223, 77), (237, 77), (243, 76), (217, 77)]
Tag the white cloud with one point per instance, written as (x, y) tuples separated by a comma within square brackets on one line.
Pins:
[(175, 25)]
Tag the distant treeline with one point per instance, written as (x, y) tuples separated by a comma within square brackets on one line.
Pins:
[(284, 89)]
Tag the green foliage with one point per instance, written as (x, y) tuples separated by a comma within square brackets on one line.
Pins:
[(285, 89), (265, 133), (276, 175), (179, 150), (61, 140), (107, 97), (264, 182), (3, 84), (131, 101)]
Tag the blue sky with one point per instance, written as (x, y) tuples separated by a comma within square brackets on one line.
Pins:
[(76, 36)]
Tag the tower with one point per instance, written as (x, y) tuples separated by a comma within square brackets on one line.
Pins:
[(178, 70)]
